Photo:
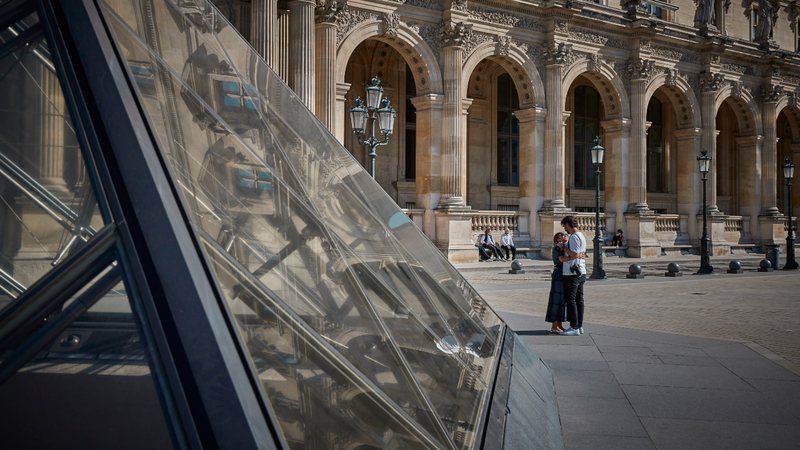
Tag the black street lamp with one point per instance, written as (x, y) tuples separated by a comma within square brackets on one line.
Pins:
[(704, 162), (376, 108), (597, 159), (788, 173)]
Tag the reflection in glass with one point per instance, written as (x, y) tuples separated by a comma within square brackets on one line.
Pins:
[(88, 387), (347, 311), (47, 207)]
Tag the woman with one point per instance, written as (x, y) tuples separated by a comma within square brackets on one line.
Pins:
[(556, 307)]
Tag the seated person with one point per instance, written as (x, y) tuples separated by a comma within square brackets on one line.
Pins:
[(617, 241), (491, 247), (483, 255), (507, 244)]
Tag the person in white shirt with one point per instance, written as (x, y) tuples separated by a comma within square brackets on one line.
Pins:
[(507, 244), (574, 275)]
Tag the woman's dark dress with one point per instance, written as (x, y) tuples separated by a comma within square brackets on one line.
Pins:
[(556, 306)]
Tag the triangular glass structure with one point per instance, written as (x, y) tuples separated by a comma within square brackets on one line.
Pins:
[(361, 333)]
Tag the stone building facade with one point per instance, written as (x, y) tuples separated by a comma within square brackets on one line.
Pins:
[(499, 102)]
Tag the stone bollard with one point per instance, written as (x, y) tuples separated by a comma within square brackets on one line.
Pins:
[(773, 254), (673, 270), (765, 266), (735, 267), (634, 272), (516, 267)]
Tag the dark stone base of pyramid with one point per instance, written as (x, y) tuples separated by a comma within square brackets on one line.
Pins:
[(523, 411)]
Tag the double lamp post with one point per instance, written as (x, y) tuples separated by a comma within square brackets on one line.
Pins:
[(788, 174), (377, 109)]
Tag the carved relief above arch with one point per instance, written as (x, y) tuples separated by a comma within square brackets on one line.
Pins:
[(516, 62), (677, 89), (741, 100), (605, 80), (412, 47)]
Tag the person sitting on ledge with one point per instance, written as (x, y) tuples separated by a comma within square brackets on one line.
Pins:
[(617, 241)]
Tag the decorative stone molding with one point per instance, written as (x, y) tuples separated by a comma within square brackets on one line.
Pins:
[(487, 15), (592, 38), (771, 94), (739, 89), (503, 44), (791, 80), (667, 53), (673, 76), (735, 68), (328, 11), (391, 22), (794, 100), (455, 35), (348, 18), (432, 34), (474, 39), (562, 26), (594, 63), (711, 81), (640, 69), (458, 5), (529, 23), (427, 4)]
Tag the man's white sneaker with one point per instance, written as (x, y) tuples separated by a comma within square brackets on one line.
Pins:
[(580, 330), (571, 332)]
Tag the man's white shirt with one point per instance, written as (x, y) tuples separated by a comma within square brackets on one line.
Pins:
[(576, 243)]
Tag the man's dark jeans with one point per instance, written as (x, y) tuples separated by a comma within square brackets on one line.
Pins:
[(573, 295)]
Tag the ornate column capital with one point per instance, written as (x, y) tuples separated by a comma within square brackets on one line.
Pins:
[(328, 11), (771, 94), (711, 81), (455, 35), (559, 54), (641, 69), (530, 114)]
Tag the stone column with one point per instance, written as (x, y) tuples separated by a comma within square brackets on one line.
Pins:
[(531, 172), (453, 149), (769, 152), (428, 166), (709, 85), (51, 132), (639, 71), (283, 41), (325, 36), (264, 30), (301, 50), (689, 188), (554, 177)]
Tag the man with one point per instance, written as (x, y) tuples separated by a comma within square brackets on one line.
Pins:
[(488, 243), (574, 275), (507, 244)]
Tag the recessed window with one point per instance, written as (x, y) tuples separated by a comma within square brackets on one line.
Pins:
[(507, 131), (587, 127)]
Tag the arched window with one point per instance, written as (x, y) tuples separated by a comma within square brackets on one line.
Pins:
[(507, 131), (411, 128), (587, 126), (656, 179)]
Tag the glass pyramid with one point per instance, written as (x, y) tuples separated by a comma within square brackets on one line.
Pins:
[(361, 333)]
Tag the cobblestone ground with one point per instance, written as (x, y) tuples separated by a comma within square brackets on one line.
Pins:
[(758, 308)]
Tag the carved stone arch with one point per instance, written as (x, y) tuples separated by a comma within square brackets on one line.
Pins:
[(681, 96), (792, 113), (607, 82), (748, 115), (415, 51), (522, 69)]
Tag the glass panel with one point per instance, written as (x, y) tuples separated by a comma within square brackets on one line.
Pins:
[(90, 387), (47, 207), (296, 228)]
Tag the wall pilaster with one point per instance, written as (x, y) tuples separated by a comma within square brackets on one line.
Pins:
[(429, 121), (615, 176), (554, 178), (283, 41), (689, 189), (531, 163), (340, 111), (710, 85)]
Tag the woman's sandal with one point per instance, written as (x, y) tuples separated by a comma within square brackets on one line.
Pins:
[(555, 331)]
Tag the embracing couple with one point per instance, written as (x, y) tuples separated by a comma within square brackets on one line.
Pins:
[(569, 275)]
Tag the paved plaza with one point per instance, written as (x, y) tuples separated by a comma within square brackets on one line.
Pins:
[(698, 361)]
